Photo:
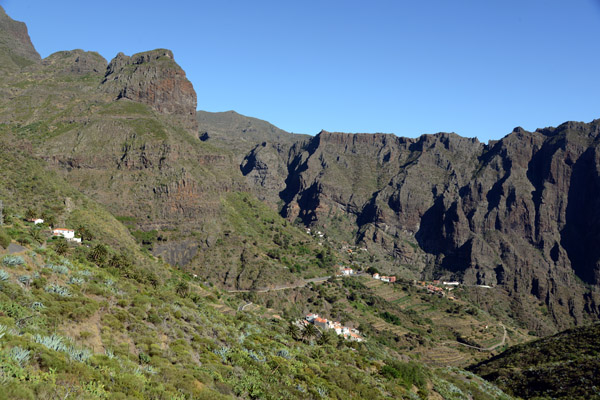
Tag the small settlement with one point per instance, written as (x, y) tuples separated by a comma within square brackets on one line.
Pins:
[(340, 330), (440, 288)]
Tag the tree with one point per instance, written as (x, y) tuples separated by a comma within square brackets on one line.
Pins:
[(61, 247), (372, 270), (293, 331), (325, 338), (98, 254), (49, 219), (36, 234), (182, 289), (85, 233), (30, 214), (310, 331)]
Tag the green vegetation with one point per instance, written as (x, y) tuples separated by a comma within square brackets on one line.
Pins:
[(563, 366)]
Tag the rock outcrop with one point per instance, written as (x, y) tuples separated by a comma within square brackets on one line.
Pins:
[(16, 49), (520, 214), (153, 78)]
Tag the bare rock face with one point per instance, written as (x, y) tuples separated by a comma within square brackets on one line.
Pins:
[(521, 214), (16, 49), (153, 78)]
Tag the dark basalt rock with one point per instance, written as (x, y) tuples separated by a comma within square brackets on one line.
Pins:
[(521, 213), (153, 78)]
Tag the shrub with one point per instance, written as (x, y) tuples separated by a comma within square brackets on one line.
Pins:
[(4, 239)]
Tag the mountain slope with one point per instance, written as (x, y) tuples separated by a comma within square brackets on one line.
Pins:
[(519, 214), (16, 49), (563, 366)]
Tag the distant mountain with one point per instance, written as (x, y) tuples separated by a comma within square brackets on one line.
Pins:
[(563, 366), (16, 49), (519, 214)]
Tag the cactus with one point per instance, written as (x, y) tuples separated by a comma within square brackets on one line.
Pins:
[(25, 279), (37, 305)]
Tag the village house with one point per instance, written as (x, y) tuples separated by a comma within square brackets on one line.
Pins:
[(346, 271), (454, 283), (390, 279), (338, 328), (376, 276), (68, 234), (36, 221)]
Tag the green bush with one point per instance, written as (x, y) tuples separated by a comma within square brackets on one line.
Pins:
[(4, 239)]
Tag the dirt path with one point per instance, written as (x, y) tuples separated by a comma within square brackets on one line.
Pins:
[(491, 348), (282, 287)]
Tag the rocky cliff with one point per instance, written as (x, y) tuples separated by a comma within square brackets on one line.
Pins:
[(520, 214), (153, 78), (16, 49)]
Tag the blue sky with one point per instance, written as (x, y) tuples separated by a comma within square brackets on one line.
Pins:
[(477, 68)]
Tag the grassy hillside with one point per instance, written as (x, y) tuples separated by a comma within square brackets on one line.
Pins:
[(563, 366), (77, 324)]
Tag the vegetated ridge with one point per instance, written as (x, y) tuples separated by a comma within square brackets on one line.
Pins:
[(565, 365)]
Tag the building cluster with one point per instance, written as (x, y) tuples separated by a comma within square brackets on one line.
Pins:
[(383, 278), (340, 330), (435, 287), (320, 234)]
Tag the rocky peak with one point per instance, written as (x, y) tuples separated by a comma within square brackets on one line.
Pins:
[(76, 62), (16, 49), (153, 78)]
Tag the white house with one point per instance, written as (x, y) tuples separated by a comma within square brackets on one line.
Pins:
[(66, 233), (347, 271), (36, 221), (376, 276), (451, 283)]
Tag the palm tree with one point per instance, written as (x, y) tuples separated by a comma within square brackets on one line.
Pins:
[(310, 331), (182, 289), (36, 234), (30, 214), (293, 331), (61, 247), (325, 338), (98, 254)]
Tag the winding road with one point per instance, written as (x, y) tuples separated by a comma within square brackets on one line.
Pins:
[(491, 348), (282, 287)]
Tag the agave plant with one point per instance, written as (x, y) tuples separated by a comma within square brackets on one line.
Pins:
[(76, 281), (59, 269), (37, 305), (222, 352), (13, 261), (52, 342), (57, 289), (78, 354), (25, 279), (4, 275), (19, 355)]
